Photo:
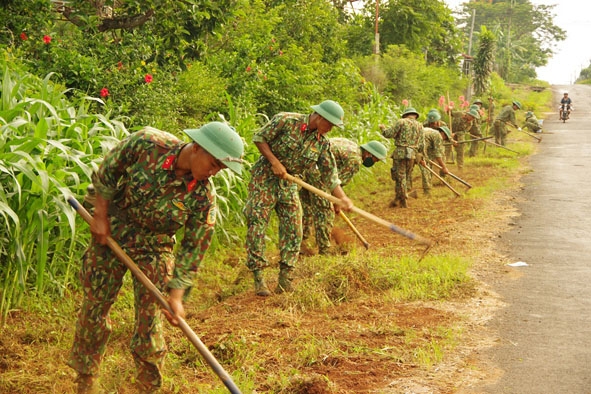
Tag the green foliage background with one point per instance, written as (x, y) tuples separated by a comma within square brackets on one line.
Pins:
[(189, 63)]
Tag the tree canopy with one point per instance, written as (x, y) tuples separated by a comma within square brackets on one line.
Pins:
[(526, 34)]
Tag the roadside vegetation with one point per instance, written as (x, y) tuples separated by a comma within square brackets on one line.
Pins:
[(70, 90)]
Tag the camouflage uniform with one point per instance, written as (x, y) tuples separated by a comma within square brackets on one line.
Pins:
[(148, 204), (475, 132), (298, 149), (410, 142), (318, 211), (433, 150), (507, 115), (459, 128), (532, 123)]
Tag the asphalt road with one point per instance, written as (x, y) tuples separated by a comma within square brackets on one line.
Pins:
[(544, 344)]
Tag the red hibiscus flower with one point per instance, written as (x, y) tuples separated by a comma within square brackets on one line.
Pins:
[(104, 92), (148, 78), (24, 36), (119, 65), (46, 39), (303, 127)]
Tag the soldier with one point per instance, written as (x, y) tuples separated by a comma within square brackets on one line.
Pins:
[(318, 211), (433, 120), (462, 122), (408, 136), (507, 115), (532, 123), (434, 152), (475, 131), (289, 143), (148, 186)]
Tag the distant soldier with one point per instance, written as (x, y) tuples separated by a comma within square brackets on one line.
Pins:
[(461, 124), (475, 131), (318, 212), (408, 137), (507, 115), (434, 151), (433, 120), (532, 123)]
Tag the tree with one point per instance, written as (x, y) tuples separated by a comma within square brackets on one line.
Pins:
[(423, 26), (484, 61), (526, 34), (426, 27)]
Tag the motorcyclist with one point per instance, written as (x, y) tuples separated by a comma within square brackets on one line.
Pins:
[(565, 101)]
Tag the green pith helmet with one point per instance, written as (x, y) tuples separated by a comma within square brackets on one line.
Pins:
[(446, 131), (529, 114), (433, 116), (477, 101), (331, 111), (517, 103), (222, 142), (377, 149), (410, 110), (474, 113)]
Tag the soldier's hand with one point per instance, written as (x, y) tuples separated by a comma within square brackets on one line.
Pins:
[(100, 229), (346, 204), (175, 300), (279, 169), (445, 170), (336, 208)]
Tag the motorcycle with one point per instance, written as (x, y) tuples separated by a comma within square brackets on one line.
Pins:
[(565, 112)]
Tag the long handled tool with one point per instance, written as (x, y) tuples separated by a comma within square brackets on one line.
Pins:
[(457, 178), (497, 145), (442, 180), (352, 226), (526, 133), (466, 141), (361, 212), (190, 334)]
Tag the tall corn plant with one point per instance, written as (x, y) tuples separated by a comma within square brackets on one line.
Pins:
[(48, 149)]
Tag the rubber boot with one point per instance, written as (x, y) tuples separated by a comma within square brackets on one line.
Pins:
[(285, 278), (260, 287)]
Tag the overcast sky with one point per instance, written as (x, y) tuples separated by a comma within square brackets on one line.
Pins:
[(573, 54)]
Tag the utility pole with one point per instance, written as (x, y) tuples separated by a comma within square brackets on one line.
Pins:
[(468, 61), (376, 49)]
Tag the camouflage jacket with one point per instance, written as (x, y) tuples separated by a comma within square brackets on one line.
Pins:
[(348, 158), (297, 147), (507, 115), (532, 123), (408, 138), (149, 202), (433, 143), (460, 124)]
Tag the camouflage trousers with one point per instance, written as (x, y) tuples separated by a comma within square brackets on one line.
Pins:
[(476, 133), (102, 276), (500, 132), (268, 193), (318, 213), (401, 173), (459, 148), (426, 177)]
